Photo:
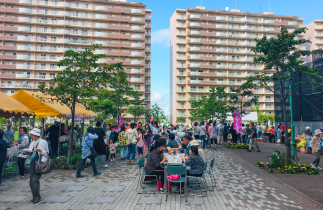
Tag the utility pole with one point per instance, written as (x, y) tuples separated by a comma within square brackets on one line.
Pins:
[(291, 117)]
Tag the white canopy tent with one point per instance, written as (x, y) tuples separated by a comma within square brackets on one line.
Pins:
[(251, 117)]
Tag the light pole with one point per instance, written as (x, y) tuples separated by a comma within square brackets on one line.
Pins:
[(291, 116)]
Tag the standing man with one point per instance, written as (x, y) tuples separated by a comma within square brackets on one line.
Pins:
[(253, 137), (3, 152), (53, 139), (259, 130), (316, 150), (9, 134)]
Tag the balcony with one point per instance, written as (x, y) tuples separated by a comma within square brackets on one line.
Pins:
[(180, 17), (195, 16), (137, 28), (220, 18), (21, 85), (195, 56), (195, 49), (180, 98), (96, 33), (221, 74), (101, 8), (180, 107), (100, 52), (195, 40), (136, 45), (136, 80), (136, 71), (222, 82), (194, 24), (294, 23), (195, 65), (101, 25), (136, 11), (136, 36), (147, 65), (181, 115), (136, 19), (100, 42), (268, 21), (136, 54), (99, 16), (180, 82), (136, 62)]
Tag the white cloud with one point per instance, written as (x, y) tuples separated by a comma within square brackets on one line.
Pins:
[(161, 37), (163, 101)]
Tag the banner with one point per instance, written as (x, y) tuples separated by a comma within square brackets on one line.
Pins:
[(152, 118), (76, 117), (89, 117), (236, 121)]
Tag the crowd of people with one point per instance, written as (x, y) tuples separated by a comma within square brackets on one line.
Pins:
[(102, 140)]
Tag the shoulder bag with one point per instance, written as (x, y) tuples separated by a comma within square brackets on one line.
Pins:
[(93, 152), (44, 167)]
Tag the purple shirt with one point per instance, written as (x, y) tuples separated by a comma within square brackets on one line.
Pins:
[(214, 132), (153, 162)]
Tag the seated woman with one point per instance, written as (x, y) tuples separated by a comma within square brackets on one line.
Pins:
[(201, 152), (154, 162), (195, 161)]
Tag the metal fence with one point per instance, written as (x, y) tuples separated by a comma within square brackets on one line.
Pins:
[(307, 98)]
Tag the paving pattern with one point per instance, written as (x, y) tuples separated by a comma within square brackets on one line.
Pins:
[(239, 185)]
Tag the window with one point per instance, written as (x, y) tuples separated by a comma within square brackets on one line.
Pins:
[(85, 6), (54, 12), (211, 79)]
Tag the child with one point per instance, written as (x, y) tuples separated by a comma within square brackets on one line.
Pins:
[(112, 150), (140, 143)]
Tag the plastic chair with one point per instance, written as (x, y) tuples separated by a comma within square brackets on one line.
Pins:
[(203, 178), (142, 174), (177, 170)]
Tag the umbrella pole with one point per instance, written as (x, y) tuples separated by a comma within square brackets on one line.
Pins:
[(42, 126), (59, 136)]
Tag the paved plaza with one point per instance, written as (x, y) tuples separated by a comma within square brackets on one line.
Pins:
[(240, 185)]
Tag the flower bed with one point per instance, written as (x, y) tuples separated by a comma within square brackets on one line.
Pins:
[(237, 146), (278, 164)]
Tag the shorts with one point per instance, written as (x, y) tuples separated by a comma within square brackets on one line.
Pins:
[(215, 140), (140, 150)]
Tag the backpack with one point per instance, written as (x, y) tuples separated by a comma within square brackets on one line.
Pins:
[(115, 136)]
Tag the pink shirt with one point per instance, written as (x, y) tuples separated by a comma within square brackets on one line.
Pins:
[(140, 141)]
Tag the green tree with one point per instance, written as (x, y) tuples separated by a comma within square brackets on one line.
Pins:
[(105, 107), (136, 109), (3, 121), (180, 120), (79, 80), (157, 113), (243, 98), (122, 90), (264, 118), (215, 104), (280, 54)]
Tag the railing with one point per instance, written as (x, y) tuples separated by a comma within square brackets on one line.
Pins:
[(180, 82)]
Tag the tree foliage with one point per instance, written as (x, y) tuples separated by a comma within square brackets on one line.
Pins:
[(82, 77), (215, 104), (157, 112), (243, 98), (281, 56), (180, 120), (264, 118)]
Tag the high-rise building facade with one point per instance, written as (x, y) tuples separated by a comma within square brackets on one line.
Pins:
[(212, 47), (315, 35), (35, 34)]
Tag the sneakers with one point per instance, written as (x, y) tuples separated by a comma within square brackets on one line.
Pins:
[(79, 176), (105, 166), (312, 165), (99, 173), (214, 149), (258, 150), (248, 150), (319, 168)]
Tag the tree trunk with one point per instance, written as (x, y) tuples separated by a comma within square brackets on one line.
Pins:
[(70, 148), (287, 142), (118, 110)]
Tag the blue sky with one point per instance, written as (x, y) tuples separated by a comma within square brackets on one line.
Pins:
[(162, 10)]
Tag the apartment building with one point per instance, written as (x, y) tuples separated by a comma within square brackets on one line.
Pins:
[(212, 47), (315, 35), (35, 34)]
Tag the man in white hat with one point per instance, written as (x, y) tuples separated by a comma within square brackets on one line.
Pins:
[(316, 150)]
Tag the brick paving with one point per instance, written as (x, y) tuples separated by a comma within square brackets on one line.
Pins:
[(240, 185), (303, 183)]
